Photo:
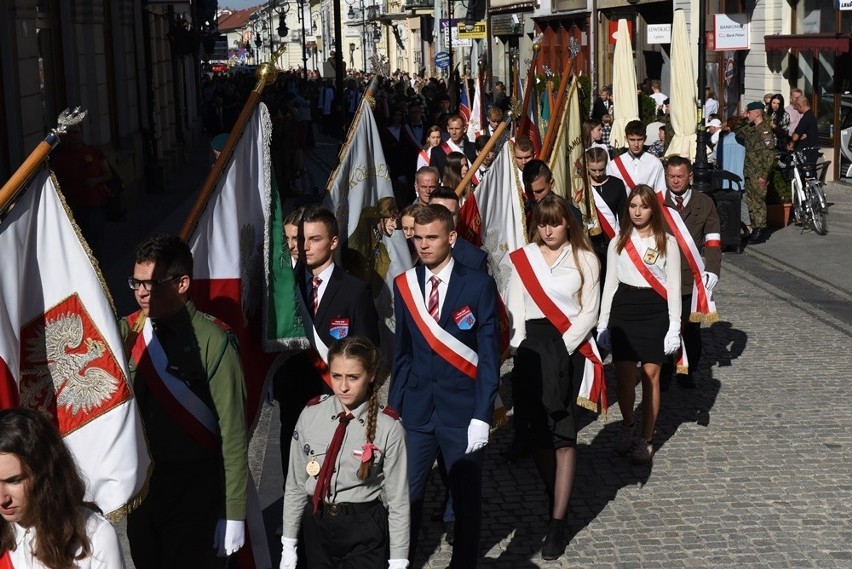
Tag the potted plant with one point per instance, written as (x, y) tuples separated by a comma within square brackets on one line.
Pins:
[(779, 199)]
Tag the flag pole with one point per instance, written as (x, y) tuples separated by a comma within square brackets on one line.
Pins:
[(556, 111), (34, 161), (481, 157), (522, 116), (266, 75)]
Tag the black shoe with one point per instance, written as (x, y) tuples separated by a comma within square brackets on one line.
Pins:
[(555, 542), (517, 450), (759, 235), (685, 381), (450, 528)]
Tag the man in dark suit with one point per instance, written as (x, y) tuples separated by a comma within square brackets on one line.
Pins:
[(446, 370), (458, 142), (334, 304), (701, 219), (463, 250)]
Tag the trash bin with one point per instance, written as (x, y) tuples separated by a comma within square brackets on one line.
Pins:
[(728, 203)]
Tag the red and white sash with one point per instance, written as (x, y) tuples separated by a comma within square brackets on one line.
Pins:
[(454, 351), (449, 146), (550, 299), (423, 159), (319, 355), (606, 217), (6, 561), (625, 175), (655, 276), (703, 307), (175, 396)]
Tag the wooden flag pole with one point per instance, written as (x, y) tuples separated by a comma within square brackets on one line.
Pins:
[(465, 182), (556, 112), (25, 171), (266, 75)]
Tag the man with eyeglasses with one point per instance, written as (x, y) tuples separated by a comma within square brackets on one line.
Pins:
[(191, 396)]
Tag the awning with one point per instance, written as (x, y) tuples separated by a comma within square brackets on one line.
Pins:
[(839, 43)]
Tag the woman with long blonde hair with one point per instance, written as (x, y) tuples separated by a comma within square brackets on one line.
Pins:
[(640, 313)]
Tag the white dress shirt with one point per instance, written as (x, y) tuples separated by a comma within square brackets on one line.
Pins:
[(646, 169), (444, 276), (325, 276)]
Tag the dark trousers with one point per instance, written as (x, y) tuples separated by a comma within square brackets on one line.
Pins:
[(691, 333), (523, 403), (294, 384), (356, 539), (175, 524), (465, 475)]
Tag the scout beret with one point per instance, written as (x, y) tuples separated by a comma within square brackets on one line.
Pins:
[(755, 106)]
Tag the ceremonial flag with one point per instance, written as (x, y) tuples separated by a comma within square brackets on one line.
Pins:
[(361, 196), (464, 101), (61, 350), (232, 243), (492, 217), (476, 121), (530, 120)]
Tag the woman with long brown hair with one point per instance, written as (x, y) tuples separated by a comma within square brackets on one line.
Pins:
[(455, 170), (433, 139), (553, 299), (46, 522), (640, 313), (345, 452)]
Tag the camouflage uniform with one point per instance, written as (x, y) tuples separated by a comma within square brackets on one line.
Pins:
[(759, 157)]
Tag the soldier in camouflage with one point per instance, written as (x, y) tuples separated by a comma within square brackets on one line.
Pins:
[(759, 158)]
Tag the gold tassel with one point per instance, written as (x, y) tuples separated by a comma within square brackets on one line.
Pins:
[(682, 369), (696, 317), (711, 318), (592, 406)]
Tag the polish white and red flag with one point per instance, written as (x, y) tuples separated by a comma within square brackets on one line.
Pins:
[(60, 347)]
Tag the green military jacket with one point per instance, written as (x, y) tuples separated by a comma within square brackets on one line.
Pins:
[(759, 141), (202, 352)]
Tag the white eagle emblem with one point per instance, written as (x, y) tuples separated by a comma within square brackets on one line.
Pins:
[(58, 363)]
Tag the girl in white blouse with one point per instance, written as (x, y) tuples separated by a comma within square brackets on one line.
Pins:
[(640, 313), (46, 524), (552, 299)]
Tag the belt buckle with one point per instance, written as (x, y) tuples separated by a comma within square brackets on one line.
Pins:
[(334, 509)]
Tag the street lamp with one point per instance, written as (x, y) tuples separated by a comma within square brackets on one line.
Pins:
[(351, 14)]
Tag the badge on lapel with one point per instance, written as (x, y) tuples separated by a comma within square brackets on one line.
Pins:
[(464, 318), (339, 328)]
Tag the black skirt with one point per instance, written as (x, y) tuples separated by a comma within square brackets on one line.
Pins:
[(553, 379), (638, 322)]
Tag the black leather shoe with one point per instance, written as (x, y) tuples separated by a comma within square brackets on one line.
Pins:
[(759, 235), (450, 528), (555, 541)]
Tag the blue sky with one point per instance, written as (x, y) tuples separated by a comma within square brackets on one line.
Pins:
[(239, 4)]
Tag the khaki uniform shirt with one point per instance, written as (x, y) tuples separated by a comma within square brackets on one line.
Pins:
[(310, 441)]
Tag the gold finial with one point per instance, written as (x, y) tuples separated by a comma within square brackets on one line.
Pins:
[(267, 72), (536, 47)]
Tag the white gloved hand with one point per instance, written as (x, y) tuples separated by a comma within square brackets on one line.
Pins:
[(289, 557), (230, 536), (671, 344), (604, 341), (397, 563), (710, 280), (477, 435)]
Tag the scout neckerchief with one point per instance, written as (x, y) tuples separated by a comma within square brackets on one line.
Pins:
[(628, 181), (605, 215), (703, 307), (175, 396), (655, 276), (550, 298), (454, 351)]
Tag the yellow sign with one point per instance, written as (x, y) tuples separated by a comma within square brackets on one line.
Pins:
[(475, 32)]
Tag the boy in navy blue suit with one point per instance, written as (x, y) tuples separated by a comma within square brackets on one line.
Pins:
[(445, 373)]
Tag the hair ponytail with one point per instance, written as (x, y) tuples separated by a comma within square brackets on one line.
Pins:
[(372, 415)]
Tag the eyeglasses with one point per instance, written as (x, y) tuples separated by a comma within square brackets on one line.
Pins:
[(147, 286)]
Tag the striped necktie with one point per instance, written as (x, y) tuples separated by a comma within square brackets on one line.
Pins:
[(315, 294), (433, 297)]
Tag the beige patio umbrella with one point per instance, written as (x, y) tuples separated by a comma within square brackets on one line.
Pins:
[(682, 109), (624, 98)]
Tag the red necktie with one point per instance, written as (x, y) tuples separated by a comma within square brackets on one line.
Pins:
[(679, 202), (433, 298), (324, 478), (315, 294)]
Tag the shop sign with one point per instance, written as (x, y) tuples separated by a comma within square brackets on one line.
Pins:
[(731, 31), (659, 33), (475, 32), (810, 24), (451, 28), (843, 4)]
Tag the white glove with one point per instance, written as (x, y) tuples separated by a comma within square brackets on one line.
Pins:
[(477, 435), (397, 563), (289, 557), (604, 341), (671, 344), (230, 536), (710, 280)]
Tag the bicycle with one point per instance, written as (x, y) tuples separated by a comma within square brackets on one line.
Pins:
[(809, 204)]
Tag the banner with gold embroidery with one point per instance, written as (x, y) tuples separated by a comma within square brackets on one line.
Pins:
[(60, 346)]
